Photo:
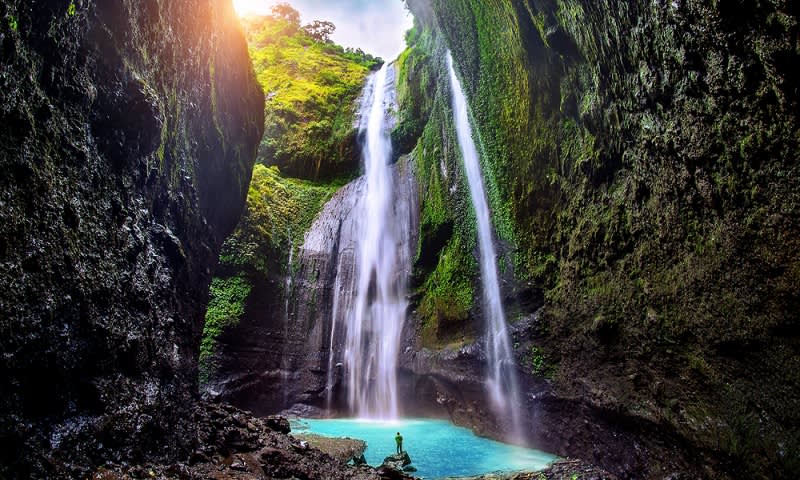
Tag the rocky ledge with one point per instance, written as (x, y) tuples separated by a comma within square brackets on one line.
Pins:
[(233, 444), (567, 469), (342, 449)]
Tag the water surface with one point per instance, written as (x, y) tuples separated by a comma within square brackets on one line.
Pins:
[(437, 447)]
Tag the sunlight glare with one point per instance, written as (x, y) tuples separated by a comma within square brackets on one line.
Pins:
[(251, 7)]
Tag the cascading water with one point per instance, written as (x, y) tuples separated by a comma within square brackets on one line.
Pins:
[(501, 381), (373, 316)]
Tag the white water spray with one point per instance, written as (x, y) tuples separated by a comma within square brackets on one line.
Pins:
[(374, 320), (502, 379)]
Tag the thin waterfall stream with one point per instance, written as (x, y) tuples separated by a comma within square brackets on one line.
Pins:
[(501, 379)]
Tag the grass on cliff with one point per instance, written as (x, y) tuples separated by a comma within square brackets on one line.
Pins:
[(445, 268), (225, 308), (279, 211), (311, 86)]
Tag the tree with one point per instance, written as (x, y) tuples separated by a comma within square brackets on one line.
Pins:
[(285, 12), (320, 30)]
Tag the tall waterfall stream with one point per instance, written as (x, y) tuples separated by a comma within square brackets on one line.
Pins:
[(374, 313)]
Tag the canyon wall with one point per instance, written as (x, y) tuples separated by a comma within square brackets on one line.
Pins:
[(641, 160), (129, 133)]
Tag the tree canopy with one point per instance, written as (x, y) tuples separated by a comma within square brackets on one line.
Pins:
[(286, 12), (320, 30)]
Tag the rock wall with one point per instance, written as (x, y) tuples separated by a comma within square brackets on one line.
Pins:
[(129, 134), (641, 162)]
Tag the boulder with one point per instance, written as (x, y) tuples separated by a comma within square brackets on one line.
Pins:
[(401, 458), (399, 463), (278, 424)]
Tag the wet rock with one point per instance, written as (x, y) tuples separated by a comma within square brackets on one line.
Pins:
[(279, 424), (402, 458), (398, 463), (274, 455), (270, 361), (238, 463), (301, 410), (661, 97), (388, 473), (130, 132), (567, 469)]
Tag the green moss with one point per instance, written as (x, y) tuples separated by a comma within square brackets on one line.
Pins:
[(279, 211), (448, 295), (311, 87), (648, 192), (536, 361), (225, 307), (416, 88), (445, 266)]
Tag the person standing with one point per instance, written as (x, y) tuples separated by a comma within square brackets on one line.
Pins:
[(399, 440)]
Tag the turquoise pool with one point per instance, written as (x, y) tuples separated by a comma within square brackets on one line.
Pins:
[(437, 447)]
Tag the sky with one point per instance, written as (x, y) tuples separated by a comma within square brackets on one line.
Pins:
[(375, 26)]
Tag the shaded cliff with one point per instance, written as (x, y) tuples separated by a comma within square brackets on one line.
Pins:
[(641, 161), (129, 133)]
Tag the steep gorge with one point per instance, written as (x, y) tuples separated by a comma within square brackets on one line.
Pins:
[(641, 167)]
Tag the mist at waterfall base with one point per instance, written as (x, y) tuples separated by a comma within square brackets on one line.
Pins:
[(437, 447)]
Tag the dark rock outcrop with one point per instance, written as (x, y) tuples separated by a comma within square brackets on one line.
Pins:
[(566, 469), (233, 444), (129, 134)]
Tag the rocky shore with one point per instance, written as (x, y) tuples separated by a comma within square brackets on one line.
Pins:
[(567, 469), (233, 444)]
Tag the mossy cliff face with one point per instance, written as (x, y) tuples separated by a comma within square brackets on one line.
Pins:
[(129, 133), (268, 294), (311, 86), (641, 159)]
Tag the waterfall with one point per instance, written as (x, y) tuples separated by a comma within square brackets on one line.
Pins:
[(502, 380), (373, 316), (288, 282)]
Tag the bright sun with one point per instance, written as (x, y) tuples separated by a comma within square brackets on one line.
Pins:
[(249, 7)]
